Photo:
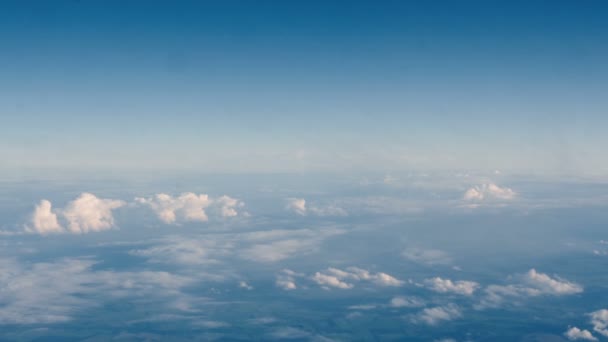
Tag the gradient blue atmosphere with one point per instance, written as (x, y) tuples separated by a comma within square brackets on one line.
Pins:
[(304, 171)]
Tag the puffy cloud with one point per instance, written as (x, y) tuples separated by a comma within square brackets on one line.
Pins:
[(228, 206), (461, 287), (547, 285), (186, 207), (44, 220), (286, 279), (599, 320), (297, 205), (338, 278), (531, 284), (489, 191), (436, 315), (244, 285), (427, 256), (406, 302), (327, 280), (190, 207), (574, 334), (87, 213)]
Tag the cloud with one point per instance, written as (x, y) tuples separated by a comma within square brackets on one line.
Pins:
[(277, 245), (52, 292), (530, 284), (190, 207), (427, 256), (333, 277), (599, 320), (89, 213), (574, 334), (186, 207), (405, 302), (489, 191), (178, 250), (548, 285), (85, 214), (460, 287), (297, 205), (436, 315), (43, 220), (286, 279)]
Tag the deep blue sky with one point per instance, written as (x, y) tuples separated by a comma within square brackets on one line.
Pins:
[(251, 86)]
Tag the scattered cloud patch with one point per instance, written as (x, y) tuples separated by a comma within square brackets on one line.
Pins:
[(343, 279), (489, 191), (530, 284), (299, 206), (436, 315), (427, 256), (599, 320), (576, 334), (87, 213), (461, 287), (406, 302), (286, 279)]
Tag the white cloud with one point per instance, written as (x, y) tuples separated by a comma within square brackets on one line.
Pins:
[(599, 320), (489, 191), (436, 315), (228, 206), (277, 245), (178, 250), (190, 207), (286, 279), (297, 205), (334, 277), (547, 285), (427, 256), (85, 214), (406, 302), (52, 292), (461, 287), (530, 284), (186, 207), (44, 220), (244, 285), (88, 213), (574, 334)]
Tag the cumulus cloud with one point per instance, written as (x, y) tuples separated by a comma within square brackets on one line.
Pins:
[(547, 285), (489, 191), (460, 287), (87, 213), (286, 279), (44, 220), (436, 315), (190, 207), (299, 206), (334, 277), (186, 207), (599, 320), (530, 284), (405, 302), (427, 256), (574, 334)]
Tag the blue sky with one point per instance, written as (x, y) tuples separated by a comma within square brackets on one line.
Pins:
[(232, 86)]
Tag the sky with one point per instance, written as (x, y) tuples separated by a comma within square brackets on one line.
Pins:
[(303, 171), (328, 86)]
